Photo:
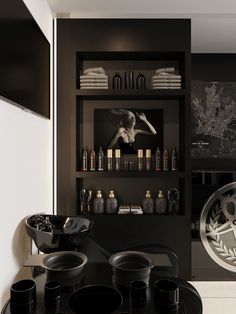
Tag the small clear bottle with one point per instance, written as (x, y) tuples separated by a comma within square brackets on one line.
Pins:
[(148, 160), (117, 160), (111, 204), (98, 203), (148, 203), (109, 160), (174, 160), (158, 160), (92, 160), (161, 203), (100, 159), (140, 160), (84, 160), (166, 160)]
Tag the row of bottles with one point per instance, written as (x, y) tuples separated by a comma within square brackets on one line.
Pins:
[(160, 161), (114, 162), (162, 205), (99, 205)]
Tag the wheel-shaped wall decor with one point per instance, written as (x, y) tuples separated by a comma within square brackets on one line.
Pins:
[(218, 226)]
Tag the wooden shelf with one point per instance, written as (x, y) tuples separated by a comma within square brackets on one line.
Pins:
[(131, 94), (130, 174)]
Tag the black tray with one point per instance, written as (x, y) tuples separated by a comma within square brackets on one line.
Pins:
[(99, 273)]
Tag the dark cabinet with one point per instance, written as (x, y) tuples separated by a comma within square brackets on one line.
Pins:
[(130, 46)]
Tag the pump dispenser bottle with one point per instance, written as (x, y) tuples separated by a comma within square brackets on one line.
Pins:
[(148, 203), (161, 203), (111, 204), (98, 204)]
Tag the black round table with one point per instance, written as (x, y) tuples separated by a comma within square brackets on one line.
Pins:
[(101, 273)]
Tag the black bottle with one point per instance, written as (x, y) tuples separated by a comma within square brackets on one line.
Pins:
[(117, 81), (174, 160), (117, 160), (166, 160), (92, 160), (111, 204), (140, 81), (140, 160), (98, 204), (84, 159), (148, 160), (158, 160), (161, 203), (148, 203), (100, 159)]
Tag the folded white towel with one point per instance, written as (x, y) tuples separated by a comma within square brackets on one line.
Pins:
[(166, 87), (165, 80), (166, 75), (96, 70), (104, 76), (167, 69), (103, 81), (93, 87)]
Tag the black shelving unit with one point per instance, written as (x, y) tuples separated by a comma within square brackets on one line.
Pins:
[(133, 94), (125, 45), (130, 174)]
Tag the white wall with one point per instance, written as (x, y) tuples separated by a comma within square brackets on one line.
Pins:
[(25, 171)]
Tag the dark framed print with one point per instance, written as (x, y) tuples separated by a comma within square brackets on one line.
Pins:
[(128, 129), (213, 106)]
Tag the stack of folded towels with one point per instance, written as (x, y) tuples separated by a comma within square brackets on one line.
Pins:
[(94, 78), (165, 78)]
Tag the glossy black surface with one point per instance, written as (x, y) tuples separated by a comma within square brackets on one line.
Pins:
[(53, 233), (24, 58), (190, 302), (95, 299)]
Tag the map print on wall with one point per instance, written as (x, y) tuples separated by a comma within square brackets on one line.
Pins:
[(213, 107)]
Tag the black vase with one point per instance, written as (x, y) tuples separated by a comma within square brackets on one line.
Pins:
[(117, 81), (140, 81)]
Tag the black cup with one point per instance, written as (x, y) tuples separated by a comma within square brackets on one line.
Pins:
[(138, 292), (23, 296), (52, 291), (166, 293)]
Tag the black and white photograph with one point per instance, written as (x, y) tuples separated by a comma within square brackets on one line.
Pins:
[(128, 129), (213, 119)]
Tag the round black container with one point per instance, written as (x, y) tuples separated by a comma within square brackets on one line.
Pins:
[(52, 290), (23, 296), (65, 267), (166, 293), (95, 299), (129, 266), (138, 292)]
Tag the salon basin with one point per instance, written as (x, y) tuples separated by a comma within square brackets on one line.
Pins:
[(53, 233)]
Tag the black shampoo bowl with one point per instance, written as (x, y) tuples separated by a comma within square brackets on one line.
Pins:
[(53, 233)]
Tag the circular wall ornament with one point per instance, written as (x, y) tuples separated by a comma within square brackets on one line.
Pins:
[(218, 226)]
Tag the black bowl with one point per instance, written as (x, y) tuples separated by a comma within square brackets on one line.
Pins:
[(95, 299), (52, 233), (65, 267)]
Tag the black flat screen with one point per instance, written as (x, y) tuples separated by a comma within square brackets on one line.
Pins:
[(24, 58)]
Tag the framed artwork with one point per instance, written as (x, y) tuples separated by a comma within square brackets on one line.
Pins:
[(128, 129), (213, 106)]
